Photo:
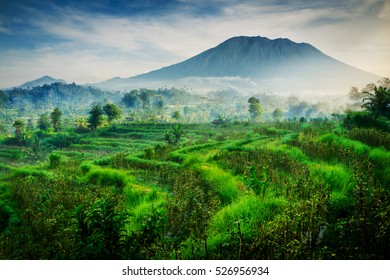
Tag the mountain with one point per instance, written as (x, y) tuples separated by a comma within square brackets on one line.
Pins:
[(45, 80), (257, 63)]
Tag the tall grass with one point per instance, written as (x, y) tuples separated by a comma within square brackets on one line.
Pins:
[(107, 177), (226, 186)]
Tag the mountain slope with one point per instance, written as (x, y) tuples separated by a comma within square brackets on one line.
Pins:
[(45, 80), (270, 64), (258, 58)]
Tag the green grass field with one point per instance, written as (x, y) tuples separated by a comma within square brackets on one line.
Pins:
[(284, 190)]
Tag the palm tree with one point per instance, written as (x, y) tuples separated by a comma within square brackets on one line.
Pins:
[(378, 101)]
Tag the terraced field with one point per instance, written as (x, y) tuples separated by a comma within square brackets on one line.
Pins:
[(282, 190)]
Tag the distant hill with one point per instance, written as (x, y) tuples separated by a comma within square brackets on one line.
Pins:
[(45, 80), (70, 98), (256, 63)]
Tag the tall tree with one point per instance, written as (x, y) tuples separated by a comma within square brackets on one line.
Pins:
[(112, 112), (145, 95), (255, 109), (95, 117), (19, 127), (43, 122), (56, 119), (277, 114)]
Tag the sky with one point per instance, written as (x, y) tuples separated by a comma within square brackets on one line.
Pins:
[(85, 41)]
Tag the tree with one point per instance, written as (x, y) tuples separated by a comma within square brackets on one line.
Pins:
[(81, 124), (145, 95), (112, 112), (131, 99), (56, 119), (19, 127), (378, 101), (255, 109), (298, 110), (159, 103), (277, 114), (355, 95), (3, 99), (30, 125), (43, 122), (96, 117), (176, 115), (173, 137)]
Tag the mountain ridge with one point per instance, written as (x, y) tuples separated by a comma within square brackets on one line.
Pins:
[(40, 82), (254, 63)]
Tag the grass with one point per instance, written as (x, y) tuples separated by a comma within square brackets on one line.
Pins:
[(228, 188)]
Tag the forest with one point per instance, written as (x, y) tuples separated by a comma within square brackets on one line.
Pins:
[(169, 174)]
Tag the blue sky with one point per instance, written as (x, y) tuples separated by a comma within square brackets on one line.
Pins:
[(90, 41)]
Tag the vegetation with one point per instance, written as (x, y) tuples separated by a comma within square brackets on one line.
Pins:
[(150, 186), (255, 109)]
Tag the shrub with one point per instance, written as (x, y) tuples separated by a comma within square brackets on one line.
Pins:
[(223, 183), (54, 160), (366, 120), (63, 140), (28, 171), (107, 177), (381, 160), (103, 161), (337, 177), (371, 136)]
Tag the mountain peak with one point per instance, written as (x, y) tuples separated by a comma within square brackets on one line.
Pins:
[(41, 81), (268, 64), (247, 57)]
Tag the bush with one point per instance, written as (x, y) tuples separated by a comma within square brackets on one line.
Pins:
[(107, 177), (222, 182), (366, 120), (371, 136), (55, 160), (63, 140)]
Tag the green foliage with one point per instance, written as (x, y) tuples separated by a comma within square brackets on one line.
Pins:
[(43, 122), (381, 159), (259, 184), (371, 136), (176, 115), (54, 160), (224, 184), (365, 120), (233, 229), (255, 109), (378, 102), (279, 190), (277, 114), (100, 230), (3, 99), (19, 131), (112, 112), (107, 177), (55, 117), (336, 176), (62, 140), (95, 117), (7, 216), (173, 136)]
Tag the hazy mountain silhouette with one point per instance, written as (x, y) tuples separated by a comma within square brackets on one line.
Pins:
[(45, 80), (258, 61)]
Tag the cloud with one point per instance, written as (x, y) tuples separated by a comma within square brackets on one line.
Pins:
[(87, 41)]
